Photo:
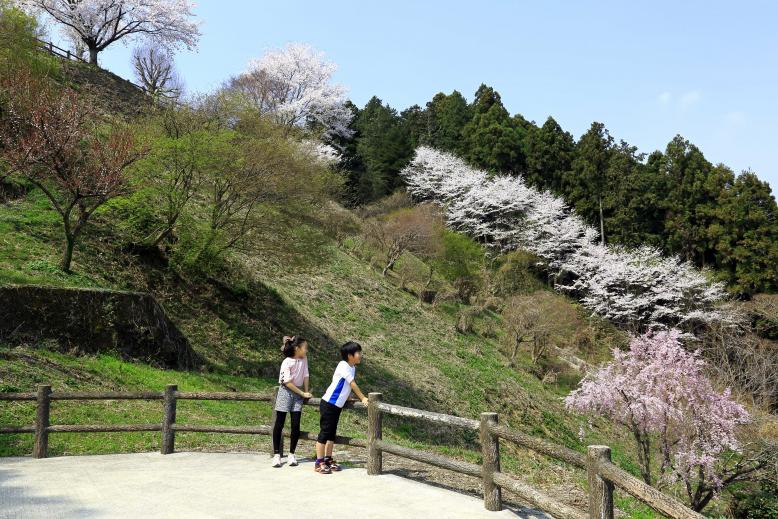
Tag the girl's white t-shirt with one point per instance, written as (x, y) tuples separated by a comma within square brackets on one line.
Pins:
[(294, 371), (340, 388)]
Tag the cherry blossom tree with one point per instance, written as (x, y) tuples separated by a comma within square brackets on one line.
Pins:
[(96, 24), (324, 153), (639, 289), (50, 138), (642, 289), (659, 392), (294, 86)]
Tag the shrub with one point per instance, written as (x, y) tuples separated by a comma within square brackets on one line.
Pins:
[(540, 320), (417, 230), (518, 274)]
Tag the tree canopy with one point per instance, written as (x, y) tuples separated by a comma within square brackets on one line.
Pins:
[(673, 200)]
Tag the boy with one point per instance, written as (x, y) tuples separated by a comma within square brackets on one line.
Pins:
[(332, 404)]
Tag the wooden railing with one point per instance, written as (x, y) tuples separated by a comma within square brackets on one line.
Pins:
[(603, 475), (54, 50), (58, 51)]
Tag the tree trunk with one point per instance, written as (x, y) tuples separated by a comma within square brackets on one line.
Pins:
[(516, 345), (389, 265), (602, 224), (67, 256), (644, 456), (93, 55), (162, 236)]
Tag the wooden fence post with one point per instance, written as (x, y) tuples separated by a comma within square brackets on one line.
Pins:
[(490, 451), (600, 490), (40, 450), (374, 434), (273, 422), (169, 419)]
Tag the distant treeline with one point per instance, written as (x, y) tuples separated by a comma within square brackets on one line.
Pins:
[(676, 200)]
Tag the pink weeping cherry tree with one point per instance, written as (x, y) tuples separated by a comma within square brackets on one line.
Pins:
[(659, 392)]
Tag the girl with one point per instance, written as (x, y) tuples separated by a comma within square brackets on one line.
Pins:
[(293, 377)]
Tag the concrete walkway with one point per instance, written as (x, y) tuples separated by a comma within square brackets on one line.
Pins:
[(209, 485)]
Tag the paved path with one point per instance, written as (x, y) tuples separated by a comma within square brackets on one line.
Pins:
[(209, 485)]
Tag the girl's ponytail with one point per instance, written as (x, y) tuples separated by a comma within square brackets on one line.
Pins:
[(290, 344)]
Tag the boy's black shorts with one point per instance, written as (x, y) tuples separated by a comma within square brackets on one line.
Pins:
[(328, 421)]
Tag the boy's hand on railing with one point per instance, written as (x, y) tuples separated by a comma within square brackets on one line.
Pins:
[(365, 400)]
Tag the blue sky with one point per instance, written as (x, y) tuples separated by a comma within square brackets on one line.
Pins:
[(648, 70)]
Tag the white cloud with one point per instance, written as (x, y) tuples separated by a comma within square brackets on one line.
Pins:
[(665, 97), (689, 99)]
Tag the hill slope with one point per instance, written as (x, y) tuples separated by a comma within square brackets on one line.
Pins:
[(234, 320)]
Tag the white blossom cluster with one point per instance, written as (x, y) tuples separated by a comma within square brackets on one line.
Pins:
[(169, 23), (298, 88), (640, 288), (320, 151)]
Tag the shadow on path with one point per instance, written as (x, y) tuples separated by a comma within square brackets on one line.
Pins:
[(20, 501)]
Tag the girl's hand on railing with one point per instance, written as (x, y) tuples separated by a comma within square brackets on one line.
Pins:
[(307, 395), (365, 400)]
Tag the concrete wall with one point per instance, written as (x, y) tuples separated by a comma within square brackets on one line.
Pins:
[(90, 321)]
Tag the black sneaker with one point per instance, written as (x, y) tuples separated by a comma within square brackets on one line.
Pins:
[(334, 467)]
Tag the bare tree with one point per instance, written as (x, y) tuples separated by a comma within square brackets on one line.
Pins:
[(156, 72), (744, 361), (415, 230), (539, 319)]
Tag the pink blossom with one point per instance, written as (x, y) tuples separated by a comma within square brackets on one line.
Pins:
[(659, 391)]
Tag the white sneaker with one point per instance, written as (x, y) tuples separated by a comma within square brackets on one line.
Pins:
[(276, 460), (292, 460)]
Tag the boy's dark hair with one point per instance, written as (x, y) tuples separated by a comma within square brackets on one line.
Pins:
[(350, 348), (291, 344)]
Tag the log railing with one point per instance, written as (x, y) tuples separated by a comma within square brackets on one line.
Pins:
[(58, 51), (66, 54), (603, 475)]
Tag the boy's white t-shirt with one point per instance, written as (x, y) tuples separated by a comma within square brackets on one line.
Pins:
[(340, 388)]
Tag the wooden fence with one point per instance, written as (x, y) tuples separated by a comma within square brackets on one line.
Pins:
[(603, 475), (54, 50), (58, 51)]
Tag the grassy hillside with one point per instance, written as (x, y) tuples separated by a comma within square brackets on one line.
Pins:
[(234, 318)]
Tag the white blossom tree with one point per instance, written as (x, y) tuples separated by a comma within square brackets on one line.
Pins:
[(319, 151), (96, 24), (640, 289), (294, 86)]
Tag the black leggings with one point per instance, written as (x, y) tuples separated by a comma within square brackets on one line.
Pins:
[(278, 429)]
